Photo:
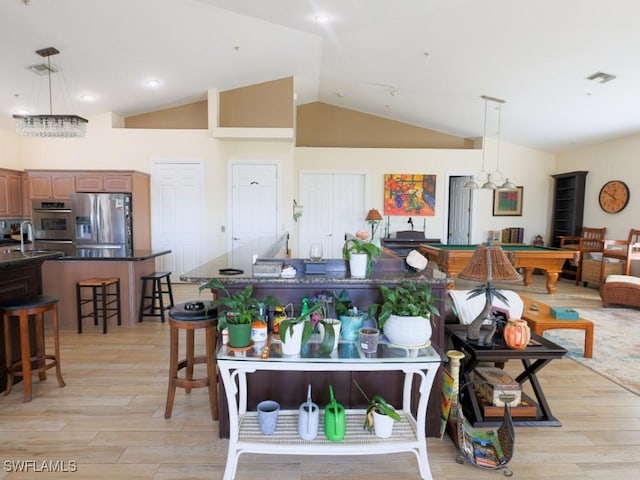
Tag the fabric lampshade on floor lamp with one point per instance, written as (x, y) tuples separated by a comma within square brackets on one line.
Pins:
[(488, 264)]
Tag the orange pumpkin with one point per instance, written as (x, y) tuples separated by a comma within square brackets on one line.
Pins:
[(517, 334)]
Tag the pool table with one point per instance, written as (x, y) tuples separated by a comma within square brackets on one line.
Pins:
[(453, 258)]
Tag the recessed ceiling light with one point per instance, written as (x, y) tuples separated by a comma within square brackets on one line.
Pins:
[(322, 18), (87, 97), (152, 83)]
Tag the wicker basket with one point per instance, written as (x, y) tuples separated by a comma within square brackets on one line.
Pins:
[(591, 270), (468, 436)]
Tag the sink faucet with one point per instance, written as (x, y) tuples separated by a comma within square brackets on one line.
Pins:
[(22, 225)]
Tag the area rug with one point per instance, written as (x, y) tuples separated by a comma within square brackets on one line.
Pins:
[(616, 345)]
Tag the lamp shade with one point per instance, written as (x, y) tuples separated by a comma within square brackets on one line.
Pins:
[(489, 263), (373, 216)]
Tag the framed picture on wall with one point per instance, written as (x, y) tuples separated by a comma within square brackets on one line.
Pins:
[(507, 202)]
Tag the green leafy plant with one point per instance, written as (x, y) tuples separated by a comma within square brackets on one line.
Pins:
[(242, 304), (410, 299), (286, 325), (355, 245), (379, 404)]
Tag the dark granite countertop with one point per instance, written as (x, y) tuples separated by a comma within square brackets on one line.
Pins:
[(387, 271), (70, 252), (16, 258)]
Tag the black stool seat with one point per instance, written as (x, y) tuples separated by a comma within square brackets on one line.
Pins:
[(153, 304), (28, 301), (28, 311), (192, 311), (189, 317)]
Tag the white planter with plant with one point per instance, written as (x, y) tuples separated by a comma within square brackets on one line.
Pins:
[(359, 252), (295, 332), (380, 415), (405, 314)]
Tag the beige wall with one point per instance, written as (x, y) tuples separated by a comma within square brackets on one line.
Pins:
[(106, 147), (526, 167), (614, 160)]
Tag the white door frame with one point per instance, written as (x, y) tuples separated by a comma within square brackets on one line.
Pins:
[(472, 214), (278, 220), (176, 161)]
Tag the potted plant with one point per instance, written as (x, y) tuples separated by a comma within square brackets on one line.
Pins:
[(379, 416), (361, 255), (406, 312), (241, 309), (351, 318), (296, 331)]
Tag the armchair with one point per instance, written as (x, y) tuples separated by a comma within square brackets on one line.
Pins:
[(590, 240), (624, 250)]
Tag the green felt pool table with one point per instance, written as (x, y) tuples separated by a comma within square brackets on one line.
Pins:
[(453, 258)]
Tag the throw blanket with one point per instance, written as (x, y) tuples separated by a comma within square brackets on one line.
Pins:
[(468, 309)]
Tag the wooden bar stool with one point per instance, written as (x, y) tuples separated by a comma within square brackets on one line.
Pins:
[(156, 307), (191, 316), (27, 309), (104, 301)]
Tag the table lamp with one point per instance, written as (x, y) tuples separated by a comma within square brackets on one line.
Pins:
[(373, 217), (488, 264)]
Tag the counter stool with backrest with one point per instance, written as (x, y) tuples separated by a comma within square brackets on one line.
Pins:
[(28, 309), (192, 316), (103, 301), (156, 306)]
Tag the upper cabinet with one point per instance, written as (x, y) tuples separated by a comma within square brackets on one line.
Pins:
[(103, 182), (52, 185), (10, 194)]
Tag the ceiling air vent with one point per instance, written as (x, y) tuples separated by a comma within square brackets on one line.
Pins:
[(601, 76)]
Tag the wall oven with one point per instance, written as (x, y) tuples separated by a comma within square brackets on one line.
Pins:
[(52, 220)]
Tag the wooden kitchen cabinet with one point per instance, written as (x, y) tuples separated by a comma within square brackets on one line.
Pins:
[(107, 182), (10, 193), (52, 185)]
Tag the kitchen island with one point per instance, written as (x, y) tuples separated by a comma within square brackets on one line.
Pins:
[(290, 390), (59, 277), (20, 274)]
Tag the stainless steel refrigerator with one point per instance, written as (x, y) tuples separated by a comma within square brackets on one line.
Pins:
[(103, 223)]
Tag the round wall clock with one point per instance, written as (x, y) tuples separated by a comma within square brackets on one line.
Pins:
[(614, 196)]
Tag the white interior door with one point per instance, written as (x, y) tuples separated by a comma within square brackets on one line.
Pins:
[(254, 212), (459, 228), (177, 196), (334, 204)]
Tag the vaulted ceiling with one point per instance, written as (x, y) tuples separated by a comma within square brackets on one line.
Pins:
[(423, 62)]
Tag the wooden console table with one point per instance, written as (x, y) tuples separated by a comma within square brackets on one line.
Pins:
[(408, 434), (538, 354)]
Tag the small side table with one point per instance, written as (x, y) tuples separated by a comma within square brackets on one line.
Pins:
[(538, 354)]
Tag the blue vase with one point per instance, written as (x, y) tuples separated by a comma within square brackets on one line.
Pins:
[(351, 325)]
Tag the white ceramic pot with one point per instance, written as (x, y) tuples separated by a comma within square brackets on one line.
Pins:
[(358, 265), (382, 425), (293, 344), (336, 330), (408, 331)]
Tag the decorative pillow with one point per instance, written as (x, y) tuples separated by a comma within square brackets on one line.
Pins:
[(623, 278), (468, 309)]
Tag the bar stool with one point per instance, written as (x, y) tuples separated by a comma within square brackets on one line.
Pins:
[(156, 307), (104, 299), (26, 309), (191, 316)]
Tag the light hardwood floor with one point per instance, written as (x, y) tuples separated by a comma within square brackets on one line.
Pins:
[(108, 422)]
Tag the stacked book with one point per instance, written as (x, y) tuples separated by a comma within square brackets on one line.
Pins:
[(513, 235)]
